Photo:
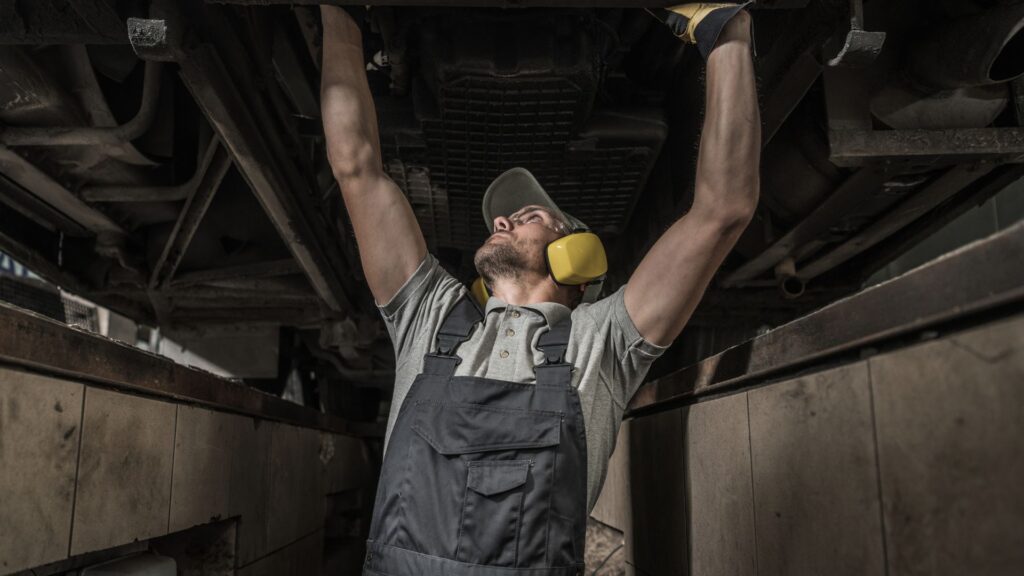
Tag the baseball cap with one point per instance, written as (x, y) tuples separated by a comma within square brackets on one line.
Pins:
[(515, 189)]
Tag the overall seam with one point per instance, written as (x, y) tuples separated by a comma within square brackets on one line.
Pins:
[(462, 515), (547, 527)]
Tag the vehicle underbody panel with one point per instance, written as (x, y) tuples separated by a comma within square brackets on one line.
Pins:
[(166, 159)]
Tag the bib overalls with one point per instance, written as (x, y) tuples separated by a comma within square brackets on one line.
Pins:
[(483, 477)]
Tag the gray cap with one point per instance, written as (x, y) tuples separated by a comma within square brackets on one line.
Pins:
[(515, 189)]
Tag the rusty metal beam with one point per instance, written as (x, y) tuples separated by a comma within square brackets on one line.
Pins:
[(238, 115), (102, 17), (39, 343), (974, 279), (208, 80), (247, 271), (215, 166), (944, 187), (28, 176), (32, 207), (849, 194), (39, 22), (790, 91), (874, 259), (924, 147)]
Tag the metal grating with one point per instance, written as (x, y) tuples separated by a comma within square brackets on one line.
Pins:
[(80, 314), (488, 125)]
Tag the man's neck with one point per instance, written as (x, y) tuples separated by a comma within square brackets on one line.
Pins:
[(526, 291)]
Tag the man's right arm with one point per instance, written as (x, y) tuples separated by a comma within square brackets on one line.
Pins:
[(391, 245)]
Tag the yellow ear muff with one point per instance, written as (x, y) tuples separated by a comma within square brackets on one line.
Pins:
[(479, 292), (576, 259)]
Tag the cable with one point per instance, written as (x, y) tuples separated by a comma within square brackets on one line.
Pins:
[(606, 559)]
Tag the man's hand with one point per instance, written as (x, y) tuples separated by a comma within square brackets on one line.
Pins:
[(700, 23), (670, 281), (391, 245)]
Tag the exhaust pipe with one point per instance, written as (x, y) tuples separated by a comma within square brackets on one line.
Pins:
[(987, 48), (791, 285)]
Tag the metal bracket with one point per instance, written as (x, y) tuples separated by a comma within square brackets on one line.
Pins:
[(160, 37), (861, 47)]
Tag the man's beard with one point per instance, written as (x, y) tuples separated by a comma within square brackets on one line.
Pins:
[(501, 260)]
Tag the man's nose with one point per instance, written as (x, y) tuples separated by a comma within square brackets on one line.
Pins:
[(502, 224)]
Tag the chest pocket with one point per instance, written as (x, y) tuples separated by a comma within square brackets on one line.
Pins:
[(493, 468)]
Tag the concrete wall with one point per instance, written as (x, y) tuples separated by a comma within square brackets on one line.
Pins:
[(84, 468), (910, 462)]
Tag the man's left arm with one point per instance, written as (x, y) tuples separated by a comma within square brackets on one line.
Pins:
[(670, 281)]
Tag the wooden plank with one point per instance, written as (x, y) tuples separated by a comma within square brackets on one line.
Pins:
[(40, 423), (295, 502), (124, 476), (817, 509), (950, 420), (204, 441), (613, 504), (658, 541), (720, 499)]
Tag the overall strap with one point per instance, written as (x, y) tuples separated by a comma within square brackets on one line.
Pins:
[(555, 371), (455, 329)]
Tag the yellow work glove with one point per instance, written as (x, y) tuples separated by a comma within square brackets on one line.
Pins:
[(699, 23)]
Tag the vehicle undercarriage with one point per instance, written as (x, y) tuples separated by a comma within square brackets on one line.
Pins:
[(166, 159)]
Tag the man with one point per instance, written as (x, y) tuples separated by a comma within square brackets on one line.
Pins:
[(503, 419)]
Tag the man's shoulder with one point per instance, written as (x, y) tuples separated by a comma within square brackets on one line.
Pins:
[(430, 285), (602, 310)]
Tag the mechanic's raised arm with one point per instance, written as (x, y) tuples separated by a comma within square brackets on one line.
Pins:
[(390, 242), (670, 281)]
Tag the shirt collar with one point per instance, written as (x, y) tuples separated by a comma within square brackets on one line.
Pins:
[(553, 312)]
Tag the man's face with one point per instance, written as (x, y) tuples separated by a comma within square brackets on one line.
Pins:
[(516, 248)]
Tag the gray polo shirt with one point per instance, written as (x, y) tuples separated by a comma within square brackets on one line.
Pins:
[(609, 356)]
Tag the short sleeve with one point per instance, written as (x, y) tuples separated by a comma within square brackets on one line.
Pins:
[(627, 355), (418, 307)]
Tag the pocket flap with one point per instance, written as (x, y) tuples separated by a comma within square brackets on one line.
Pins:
[(466, 428), (490, 477)]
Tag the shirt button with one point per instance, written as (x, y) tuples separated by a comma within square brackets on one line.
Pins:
[(510, 332), (504, 354), (515, 313)]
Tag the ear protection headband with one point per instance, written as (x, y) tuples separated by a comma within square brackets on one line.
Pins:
[(573, 260)]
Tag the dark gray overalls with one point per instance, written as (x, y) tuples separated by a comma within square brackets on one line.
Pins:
[(483, 477)]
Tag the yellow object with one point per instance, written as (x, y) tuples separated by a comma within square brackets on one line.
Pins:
[(573, 260), (479, 291), (694, 14), (577, 259)]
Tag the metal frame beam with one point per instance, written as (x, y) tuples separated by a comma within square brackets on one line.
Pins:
[(244, 126), (790, 91), (846, 197), (244, 271), (976, 278), (941, 189), (215, 166), (28, 176), (33, 341), (35, 22), (925, 147)]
